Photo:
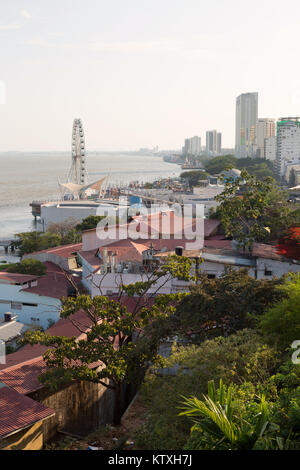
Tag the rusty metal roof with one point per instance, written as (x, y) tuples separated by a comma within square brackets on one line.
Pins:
[(19, 412)]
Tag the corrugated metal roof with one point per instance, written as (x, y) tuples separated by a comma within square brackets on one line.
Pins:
[(17, 278), (19, 412), (24, 377)]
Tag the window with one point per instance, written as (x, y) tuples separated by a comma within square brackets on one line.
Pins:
[(16, 306), (29, 305), (268, 272), (211, 276), (35, 320)]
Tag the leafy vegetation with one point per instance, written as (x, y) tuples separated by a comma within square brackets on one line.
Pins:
[(258, 167), (28, 266), (216, 165), (193, 177), (218, 420), (253, 210), (242, 358), (89, 222), (224, 305), (281, 323)]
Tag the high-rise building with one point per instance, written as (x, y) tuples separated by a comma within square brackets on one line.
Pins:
[(246, 121), (288, 143), (219, 143), (270, 147), (192, 146), (213, 142), (265, 128)]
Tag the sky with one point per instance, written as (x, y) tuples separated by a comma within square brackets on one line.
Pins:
[(141, 73)]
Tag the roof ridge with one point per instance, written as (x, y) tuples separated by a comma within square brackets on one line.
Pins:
[(22, 364)]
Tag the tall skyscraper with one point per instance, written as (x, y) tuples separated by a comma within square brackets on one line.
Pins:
[(192, 146), (265, 128), (288, 143), (246, 121), (219, 143), (213, 142)]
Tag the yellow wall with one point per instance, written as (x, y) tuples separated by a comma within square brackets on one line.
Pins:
[(28, 439)]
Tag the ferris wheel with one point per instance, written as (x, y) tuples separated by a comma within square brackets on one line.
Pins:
[(78, 174)]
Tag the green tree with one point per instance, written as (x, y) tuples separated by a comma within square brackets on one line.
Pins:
[(216, 165), (67, 232), (258, 167), (215, 417), (89, 222), (281, 323), (110, 336), (30, 242), (254, 210), (221, 306), (28, 266), (241, 358), (194, 177)]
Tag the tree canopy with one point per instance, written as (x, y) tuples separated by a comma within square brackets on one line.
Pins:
[(224, 305), (254, 210), (28, 266), (218, 164), (194, 176)]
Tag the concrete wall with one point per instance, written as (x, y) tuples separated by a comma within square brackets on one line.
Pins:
[(54, 214), (278, 268), (111, 282)]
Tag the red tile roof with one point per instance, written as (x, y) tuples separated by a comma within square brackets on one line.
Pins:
[(260, 250), (64, 327), (17, 278), (24, 377), (19, 412), (159, 223), (23, 367), (128, 250), (65, 251), (54, 284)]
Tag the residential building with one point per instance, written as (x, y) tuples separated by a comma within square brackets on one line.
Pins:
[(246, 122), (213, 143), (192, 146), (288, 144), (292, 175), (265, 128), (11, 330), (270, 148), (35, 413), (21, 420), (34, 300)]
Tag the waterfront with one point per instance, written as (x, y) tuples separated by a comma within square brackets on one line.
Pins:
[(34, 176)]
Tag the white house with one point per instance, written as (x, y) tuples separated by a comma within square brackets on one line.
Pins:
[(34, 300)]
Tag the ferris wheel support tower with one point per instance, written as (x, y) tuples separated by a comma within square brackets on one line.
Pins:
[(78, 174)]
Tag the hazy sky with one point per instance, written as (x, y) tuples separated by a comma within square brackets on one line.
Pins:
[(142, 72)]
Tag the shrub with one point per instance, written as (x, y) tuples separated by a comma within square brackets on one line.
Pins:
[(28, 266), (238, 358), (281, 323)]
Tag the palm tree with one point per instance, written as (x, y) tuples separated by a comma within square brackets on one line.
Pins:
[(214, 415)]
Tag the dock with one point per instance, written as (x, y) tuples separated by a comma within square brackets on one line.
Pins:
[(8, 243)]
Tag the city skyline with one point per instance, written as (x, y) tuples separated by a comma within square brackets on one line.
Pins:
[(140, 75)]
